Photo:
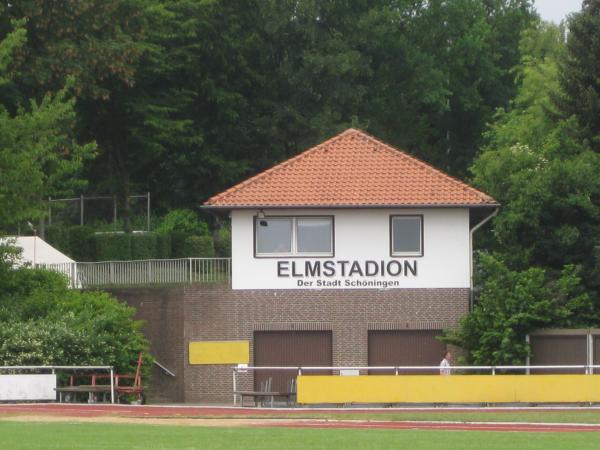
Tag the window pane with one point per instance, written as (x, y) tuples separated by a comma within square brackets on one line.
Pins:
[(406, 234), (273, 235), (314, 235)]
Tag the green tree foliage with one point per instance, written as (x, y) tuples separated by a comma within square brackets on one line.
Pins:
[(540, 166), (90, 41), (578, 76), (184, 220), (42, 321), (186, 97), (513, 303), (39, 153), (540, 169)]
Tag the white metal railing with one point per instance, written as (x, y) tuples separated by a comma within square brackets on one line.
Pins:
[(588, 369), (53, 369), (144, 272)]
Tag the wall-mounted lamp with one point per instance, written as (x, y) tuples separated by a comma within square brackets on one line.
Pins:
[(261, 217)]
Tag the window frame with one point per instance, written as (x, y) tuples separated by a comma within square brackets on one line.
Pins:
[(421, 251), (294, 253)]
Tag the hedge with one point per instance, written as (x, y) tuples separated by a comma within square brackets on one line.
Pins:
[(163, 246), (178, 247), (113, 246), (81, 243), (58, 237), (144, 246), (223, 242), (199, 247)]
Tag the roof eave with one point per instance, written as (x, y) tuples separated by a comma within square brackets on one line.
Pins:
[(388, 206)]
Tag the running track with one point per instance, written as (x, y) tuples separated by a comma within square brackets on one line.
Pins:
[(100, 410)]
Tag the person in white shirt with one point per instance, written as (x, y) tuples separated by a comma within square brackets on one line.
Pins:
[(445, 364)]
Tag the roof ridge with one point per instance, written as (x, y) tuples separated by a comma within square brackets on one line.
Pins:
[(288, 162)]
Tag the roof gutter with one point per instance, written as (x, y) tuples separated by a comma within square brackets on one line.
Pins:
[(471, 240), (415, 206)]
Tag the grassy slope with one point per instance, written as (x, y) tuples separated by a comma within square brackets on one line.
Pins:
[(31, 435)]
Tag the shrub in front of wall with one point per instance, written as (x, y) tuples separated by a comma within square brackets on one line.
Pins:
[(58, 237), (199, 247), (144, 246), (113, 246), (163, 246), (223, 242), (178, 244), (81, 243)]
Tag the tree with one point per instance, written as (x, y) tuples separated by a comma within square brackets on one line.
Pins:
[(39, 154), (544, 174), (196, 95), (511, 304), (579, 70)]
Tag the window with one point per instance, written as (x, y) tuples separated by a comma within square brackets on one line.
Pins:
[(406, 235), (294, 236)]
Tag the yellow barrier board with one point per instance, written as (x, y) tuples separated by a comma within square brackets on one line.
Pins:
[(448, 389), (219, 352)]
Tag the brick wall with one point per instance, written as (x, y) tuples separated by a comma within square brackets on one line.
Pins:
[(215, 312), (162, 310)]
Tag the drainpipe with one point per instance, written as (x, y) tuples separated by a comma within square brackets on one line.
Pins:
[(471, 234)]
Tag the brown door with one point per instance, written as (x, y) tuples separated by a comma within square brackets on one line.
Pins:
[(289, 348), (405, 348), (558, 350)]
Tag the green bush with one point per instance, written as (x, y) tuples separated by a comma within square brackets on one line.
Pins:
[(178, 244), (183, 220), (199, 247), (113, 246), (58, 236), (81, 243), (144, 246), (163, 246), (42, 321), (223, 242)]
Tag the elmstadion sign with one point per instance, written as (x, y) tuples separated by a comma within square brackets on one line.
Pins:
[(347, 273)]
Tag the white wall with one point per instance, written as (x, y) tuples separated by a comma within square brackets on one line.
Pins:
[(362, 234), (27, 387)]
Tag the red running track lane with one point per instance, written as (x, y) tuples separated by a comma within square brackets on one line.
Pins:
[(103, 409)]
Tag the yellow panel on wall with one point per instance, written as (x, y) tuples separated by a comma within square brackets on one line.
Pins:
[(449, 389), (219, 352)]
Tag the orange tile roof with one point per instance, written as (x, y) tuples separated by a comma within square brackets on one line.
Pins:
[(352, 169)]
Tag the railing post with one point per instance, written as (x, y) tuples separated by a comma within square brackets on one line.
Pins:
[(234, 387), (112, 385), (190, 260), (493, 370), (111, 273)]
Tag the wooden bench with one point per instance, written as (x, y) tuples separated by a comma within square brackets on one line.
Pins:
[(91, 390), (266, 393), (95, 388)]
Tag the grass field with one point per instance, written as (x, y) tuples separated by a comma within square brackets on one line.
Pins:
[(32, 435)]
